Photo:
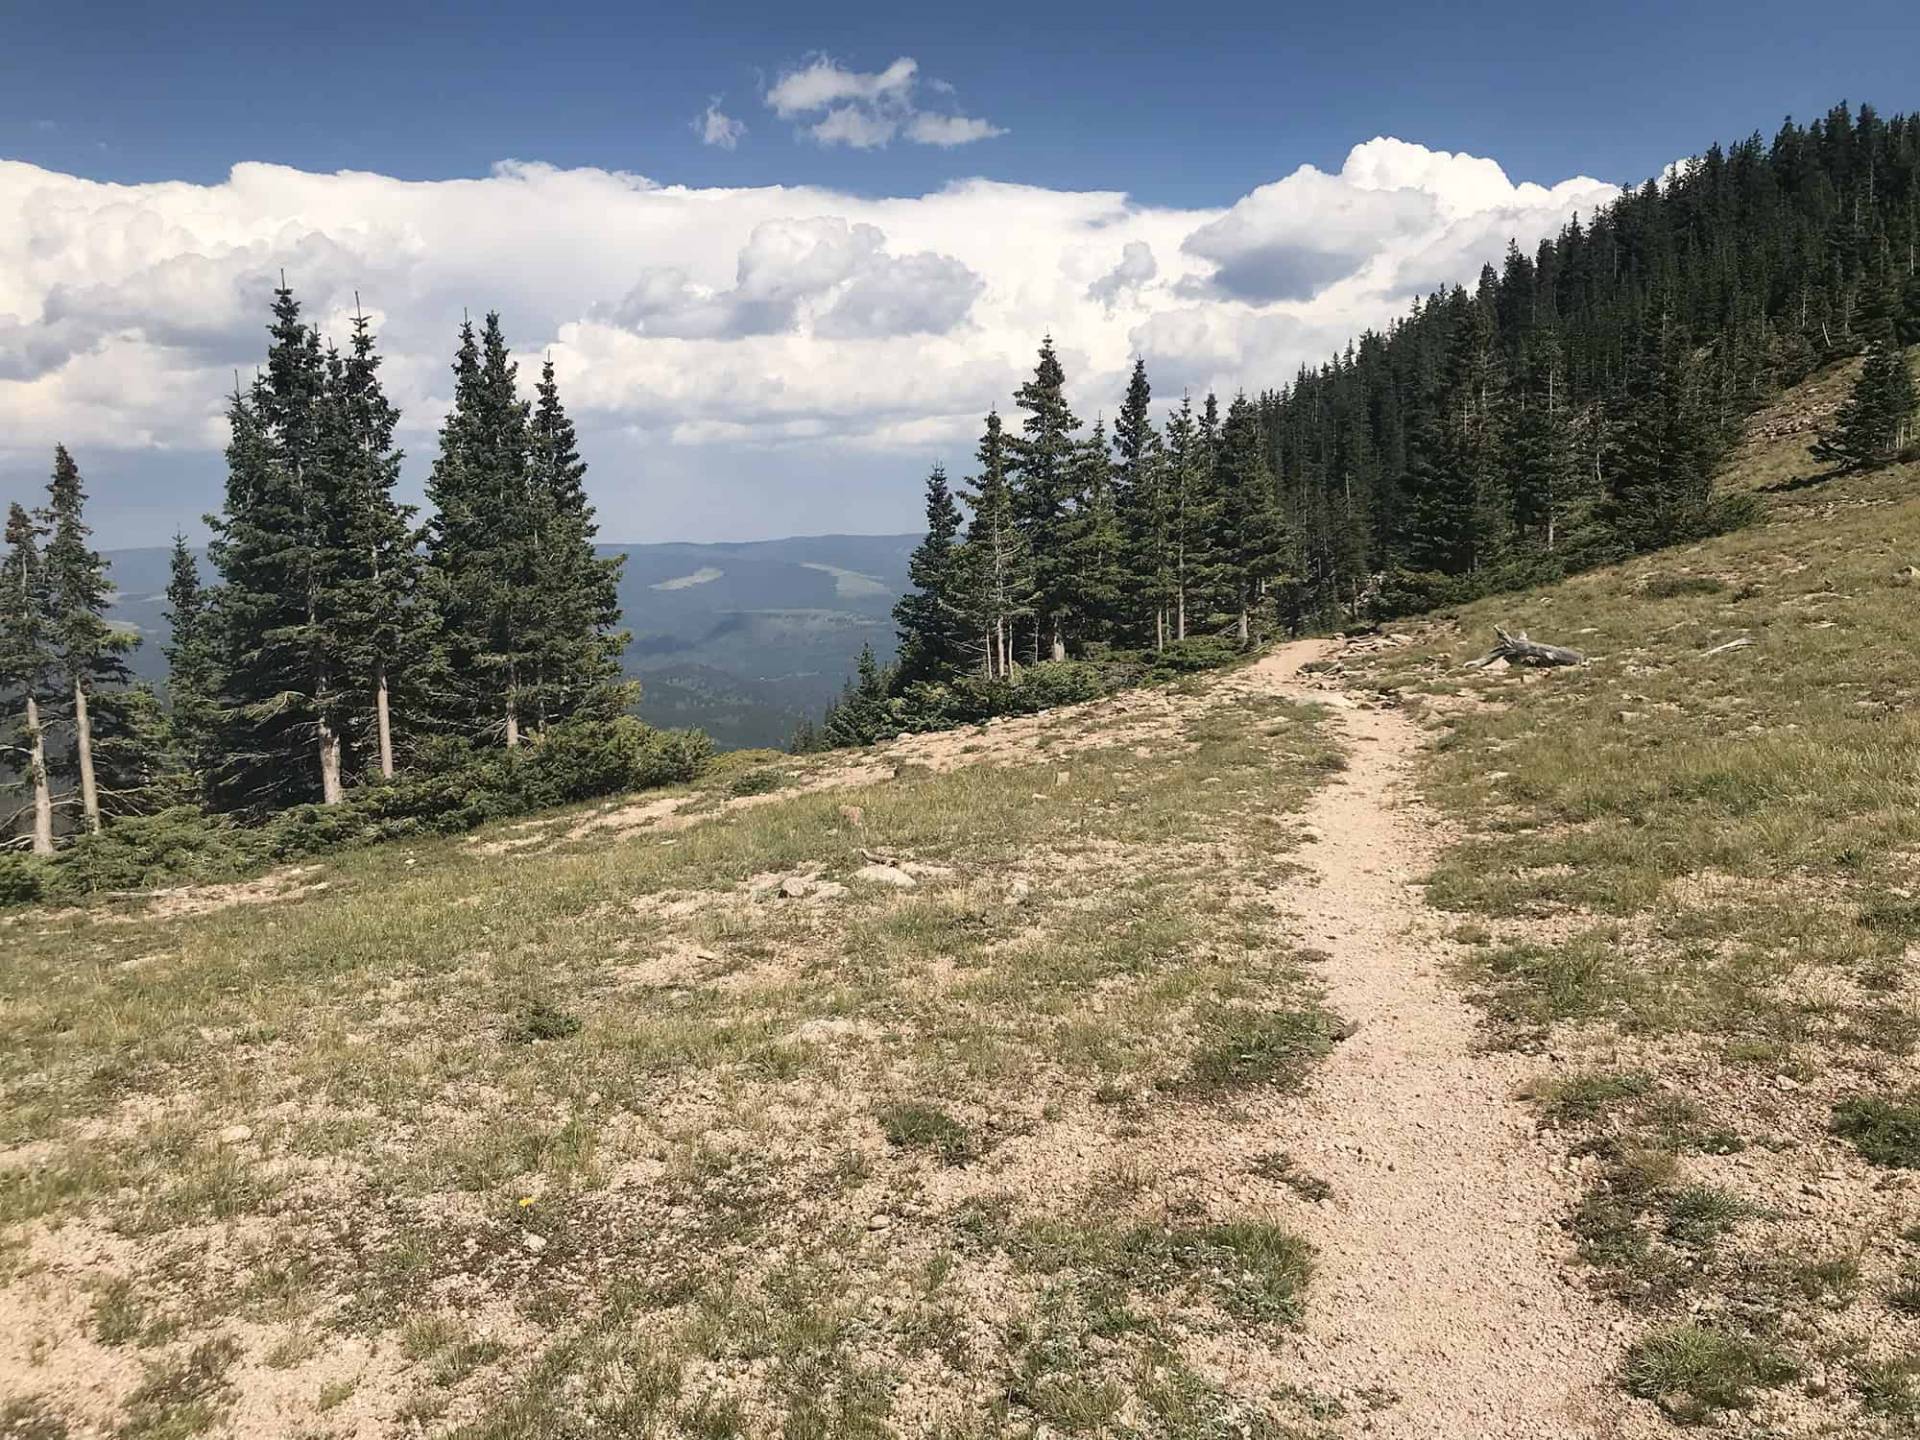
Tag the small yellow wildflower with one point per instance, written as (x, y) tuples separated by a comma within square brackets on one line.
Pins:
[(525, 1201)]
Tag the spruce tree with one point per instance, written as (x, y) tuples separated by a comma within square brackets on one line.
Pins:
[(86, 648), (861, 716), (1538, 446), (1142, 497), (995, 562), (574, 611), (480, 551), (1093, 548), (1191, 504), (1876, 421), (380, 628), (286, 705), (27, 665), (932, 617), (1250, 532), (1044, 457), (1659, 479), (193, 674)]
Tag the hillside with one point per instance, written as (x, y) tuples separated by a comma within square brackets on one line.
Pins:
[(742, 641), (1344, 1044)]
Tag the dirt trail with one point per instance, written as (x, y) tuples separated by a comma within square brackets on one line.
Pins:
[(1442, 1279)]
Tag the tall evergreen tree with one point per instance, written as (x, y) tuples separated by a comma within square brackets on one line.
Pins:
[(193, 673), (1093, 548), (1876, 421), (1044, 459), (276, 545), (1661, 472), (574, 610), (480, 550), (27, 665), (1192, 506), (1143, 500), (86, 648), (1250, 532), (995, 563), (379, 626), (933, 619)]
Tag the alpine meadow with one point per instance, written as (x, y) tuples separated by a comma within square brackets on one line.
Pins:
[(1370, 889)]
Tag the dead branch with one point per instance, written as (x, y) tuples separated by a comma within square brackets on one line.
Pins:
[(1740, 644), (1519, 650)]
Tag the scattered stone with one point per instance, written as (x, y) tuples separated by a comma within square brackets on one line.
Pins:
[(236, 1135), (1061, 779), (534, 1243), (879, 1221), (890, 875), (795, 887), (1785, 1082), (829, 890)]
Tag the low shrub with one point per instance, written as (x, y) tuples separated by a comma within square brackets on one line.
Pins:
[(451, 788)]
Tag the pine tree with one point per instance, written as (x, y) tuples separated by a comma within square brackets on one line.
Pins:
[(379, 626), (277, 547), (1538, 445), (933, 617), (86, 648), (1250, 532), (1143, 501), (574, 611), (27, 663), (1093, 549), (193, 675), (1876, 421), (480, 551), (1043, 460), (995, 562), (1191, 505), (861, 716), (1660, 476)]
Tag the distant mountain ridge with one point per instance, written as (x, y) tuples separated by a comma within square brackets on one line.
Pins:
[(742, 640)]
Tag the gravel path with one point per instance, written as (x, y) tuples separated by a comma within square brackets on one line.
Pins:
[(1442, 1306)]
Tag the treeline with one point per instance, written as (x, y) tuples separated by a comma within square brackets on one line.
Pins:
[(1570, 408), (349, 658)]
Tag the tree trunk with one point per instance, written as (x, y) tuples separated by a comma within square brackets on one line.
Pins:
[(1180, 615), (382, 723), (332, 791), (513, 709), (1059, 648), (1244, 628), (83, 746), (42, 794)]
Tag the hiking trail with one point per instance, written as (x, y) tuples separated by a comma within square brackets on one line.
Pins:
[(1442, 1306)]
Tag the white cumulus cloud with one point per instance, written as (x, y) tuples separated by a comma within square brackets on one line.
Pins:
[(863, 110), (760, 360)]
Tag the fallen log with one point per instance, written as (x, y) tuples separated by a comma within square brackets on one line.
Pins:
[(1519, 650), (1742, 643)]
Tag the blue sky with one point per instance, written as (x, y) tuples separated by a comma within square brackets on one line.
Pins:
[(860, 220), (1180, 105)]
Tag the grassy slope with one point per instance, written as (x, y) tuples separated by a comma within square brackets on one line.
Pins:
[(558, 1129), (1692, 881)]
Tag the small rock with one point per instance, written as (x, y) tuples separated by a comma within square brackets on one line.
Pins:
[(236, 1135), (889, 875), (1061, 779), (1785, 1082), (829, 890), (879, 1221), (534, 1243), (795, 887)]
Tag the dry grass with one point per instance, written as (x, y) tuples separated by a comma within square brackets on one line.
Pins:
[(604, 1132)]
